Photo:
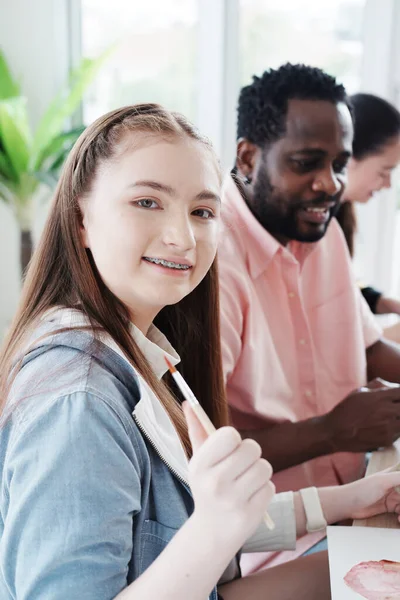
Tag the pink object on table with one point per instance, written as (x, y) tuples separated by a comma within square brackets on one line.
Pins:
[(375, 580)]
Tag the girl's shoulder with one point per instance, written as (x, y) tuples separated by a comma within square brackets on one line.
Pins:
[(75, 365)]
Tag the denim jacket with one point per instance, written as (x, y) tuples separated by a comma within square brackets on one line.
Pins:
[(87, 499)]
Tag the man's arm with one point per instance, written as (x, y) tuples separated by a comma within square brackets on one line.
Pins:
[(363, 421), (386, 305), (366, 419), (289, 444), (383, 360)]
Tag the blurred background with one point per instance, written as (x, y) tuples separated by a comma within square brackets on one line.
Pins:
[(193, 56)]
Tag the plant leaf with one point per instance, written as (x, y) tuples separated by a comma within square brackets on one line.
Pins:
[(17, 108), (27, 187), (14, 132), (59, 146), (64, 104), (6, 169), (8, 86), (6, 191)]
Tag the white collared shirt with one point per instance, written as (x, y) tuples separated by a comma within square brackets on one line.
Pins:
[(149, 413), (155, 422)]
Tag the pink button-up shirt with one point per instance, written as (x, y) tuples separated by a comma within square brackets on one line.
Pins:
[(294, 332)]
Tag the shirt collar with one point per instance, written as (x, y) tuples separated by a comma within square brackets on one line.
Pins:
[(155, 347), (260, 246)]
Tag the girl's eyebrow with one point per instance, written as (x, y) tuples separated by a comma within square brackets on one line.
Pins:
[(154, 185), (162, 187), (208, 195)]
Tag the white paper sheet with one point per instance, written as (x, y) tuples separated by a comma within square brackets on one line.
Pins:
[(350, 546)]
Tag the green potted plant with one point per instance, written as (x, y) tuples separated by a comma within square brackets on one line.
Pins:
[(28, 159)]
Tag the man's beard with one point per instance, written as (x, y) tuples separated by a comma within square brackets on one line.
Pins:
[(278, 214)]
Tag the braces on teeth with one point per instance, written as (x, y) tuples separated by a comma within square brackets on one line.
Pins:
[(167, 263)]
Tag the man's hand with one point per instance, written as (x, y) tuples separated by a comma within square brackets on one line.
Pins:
[(366, 419)]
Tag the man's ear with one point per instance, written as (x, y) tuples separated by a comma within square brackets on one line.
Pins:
[(246, 158)]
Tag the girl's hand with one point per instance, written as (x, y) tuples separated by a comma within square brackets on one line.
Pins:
[(374, 495), (230, 482)]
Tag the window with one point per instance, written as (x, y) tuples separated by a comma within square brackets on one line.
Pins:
[(182, 54), (325, 34), (154, 59)]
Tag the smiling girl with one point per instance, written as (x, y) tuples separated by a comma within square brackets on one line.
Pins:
[(376, 154), (98, 499)]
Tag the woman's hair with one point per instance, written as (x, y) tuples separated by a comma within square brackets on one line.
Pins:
[(63, 273), (376, 124), (346, 216)]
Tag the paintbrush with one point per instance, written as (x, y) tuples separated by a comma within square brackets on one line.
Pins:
[(202, 416)]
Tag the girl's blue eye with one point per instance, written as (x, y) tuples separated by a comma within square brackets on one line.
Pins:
[(203, 213), (147, 203)]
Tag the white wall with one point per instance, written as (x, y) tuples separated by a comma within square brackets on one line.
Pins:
[(34, 38)]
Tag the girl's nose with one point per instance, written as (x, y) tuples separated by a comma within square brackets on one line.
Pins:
[(179, 233)]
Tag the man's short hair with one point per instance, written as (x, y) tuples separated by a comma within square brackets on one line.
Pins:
[(263, 104)]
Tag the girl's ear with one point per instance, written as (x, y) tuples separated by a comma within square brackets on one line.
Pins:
[(83, 223)]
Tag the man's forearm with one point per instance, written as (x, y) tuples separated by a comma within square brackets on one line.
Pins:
[(290, 444), (387, 305), (383, 360)]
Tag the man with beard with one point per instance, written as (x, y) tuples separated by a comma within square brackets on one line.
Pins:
[(299, 342)]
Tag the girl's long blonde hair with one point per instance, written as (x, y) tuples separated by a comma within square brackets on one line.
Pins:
[(62, 273)]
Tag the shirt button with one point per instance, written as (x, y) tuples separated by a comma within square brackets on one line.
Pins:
[(302, 342), (291, 294), (308, 393)]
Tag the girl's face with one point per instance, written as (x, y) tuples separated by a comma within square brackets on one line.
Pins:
[(151, 221), (372, 173)]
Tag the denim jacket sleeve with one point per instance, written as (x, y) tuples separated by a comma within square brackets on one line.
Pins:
[(71, 488)]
